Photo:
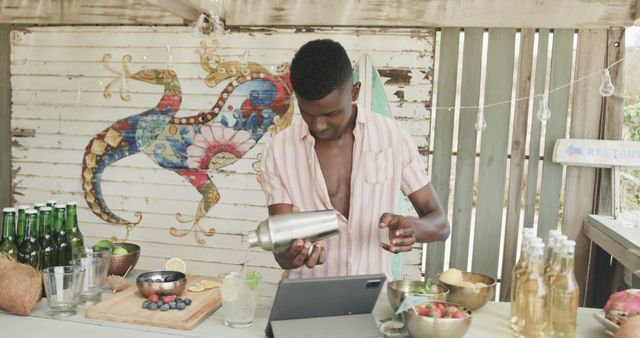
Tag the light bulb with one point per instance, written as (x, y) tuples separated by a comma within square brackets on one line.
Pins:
[(216, 23), (197, 27), (169, 57), (245, 58), (481, 123), (78, 96), (34, 97), (124, 86), (543, 112), (606, 88)]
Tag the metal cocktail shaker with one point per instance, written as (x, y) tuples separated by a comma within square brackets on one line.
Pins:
[(277, 232)]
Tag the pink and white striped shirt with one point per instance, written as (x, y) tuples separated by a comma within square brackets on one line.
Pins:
[(385, 161)]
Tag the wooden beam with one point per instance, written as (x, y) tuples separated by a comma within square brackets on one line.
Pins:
[(182, 8), (433, 13), (5, 117)]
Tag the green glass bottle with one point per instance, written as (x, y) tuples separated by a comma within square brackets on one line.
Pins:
[(22, 222), (8, 245), (47, 245), (30, 249), (77, 241), (60, 238), (38, 230)]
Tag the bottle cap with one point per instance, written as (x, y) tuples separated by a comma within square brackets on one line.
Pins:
[(31, 211), (23, 207), (45, 209), (74, 203), (8, 210)]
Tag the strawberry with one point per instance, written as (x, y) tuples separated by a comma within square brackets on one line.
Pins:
[(451, 309), (153, 298), (167, 299), (459, 314), (423, 312)]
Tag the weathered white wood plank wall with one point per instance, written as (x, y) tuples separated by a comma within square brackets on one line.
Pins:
[(51, 126)]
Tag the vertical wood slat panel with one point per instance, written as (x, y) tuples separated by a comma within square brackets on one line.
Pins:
[(466, 157), (598, 289), (536, 129), (5, 117), (493, 151), (580, 182), (517, 163), (614, 109), (443, 138), (556, 126)]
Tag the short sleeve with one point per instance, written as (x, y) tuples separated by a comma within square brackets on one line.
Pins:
[(274, 187), (414, 175)]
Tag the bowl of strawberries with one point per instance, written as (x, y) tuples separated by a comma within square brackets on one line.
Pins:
[(437, 320)]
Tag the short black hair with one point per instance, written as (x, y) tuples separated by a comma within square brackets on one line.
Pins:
[(318, 68)]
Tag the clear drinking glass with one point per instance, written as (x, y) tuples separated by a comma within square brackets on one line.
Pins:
[(62, 285), (96, 264), (239, 296)]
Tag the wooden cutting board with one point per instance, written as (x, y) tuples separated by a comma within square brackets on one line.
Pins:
[(126, 307)]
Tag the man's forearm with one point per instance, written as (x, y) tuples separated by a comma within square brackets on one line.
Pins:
[(432, 227)]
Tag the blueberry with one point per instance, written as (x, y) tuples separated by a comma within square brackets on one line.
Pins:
[(160, 303), (178, 300), (187, 301), (181, 306), (152, 306), (164, 307), (172, 305), (144, 305)]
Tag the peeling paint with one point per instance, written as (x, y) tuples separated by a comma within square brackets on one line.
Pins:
[(399, 94), (396, 76), (23, 132)]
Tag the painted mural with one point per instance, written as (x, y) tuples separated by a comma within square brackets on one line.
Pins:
[(253, 102)]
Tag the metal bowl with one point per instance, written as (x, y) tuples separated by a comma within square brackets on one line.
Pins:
[(161, 282), (397, 290), (428, 327), (468, 296), (120, 264)]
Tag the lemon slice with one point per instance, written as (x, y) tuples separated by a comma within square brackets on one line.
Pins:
[(209, 284), (176, 264), (196, 288), (230, 290)]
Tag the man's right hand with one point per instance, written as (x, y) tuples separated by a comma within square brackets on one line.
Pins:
[(298, 254)]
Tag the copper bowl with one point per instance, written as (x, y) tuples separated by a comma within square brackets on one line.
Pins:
[(121, 263), (428, 327), (161, 282), (397, 290), (472, 297)]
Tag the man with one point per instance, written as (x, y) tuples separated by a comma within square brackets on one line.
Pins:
[(339, 156)]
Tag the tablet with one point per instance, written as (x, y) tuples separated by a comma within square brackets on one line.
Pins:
[(329, 298)]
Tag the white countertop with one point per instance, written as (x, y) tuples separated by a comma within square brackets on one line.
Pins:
[(490, 321)]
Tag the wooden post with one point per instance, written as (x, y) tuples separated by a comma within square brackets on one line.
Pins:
[(579, 196), (5, 117)]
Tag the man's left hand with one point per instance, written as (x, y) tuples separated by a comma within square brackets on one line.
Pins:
[(401, 233)]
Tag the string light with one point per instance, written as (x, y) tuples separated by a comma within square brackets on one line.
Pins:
[(197, 27), (32, 101), (78, 96), (169, 57), (245, 58), (606, 88), (124, 86), (543, 113)]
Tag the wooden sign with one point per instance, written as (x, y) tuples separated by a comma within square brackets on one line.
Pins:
[(597, 153)]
